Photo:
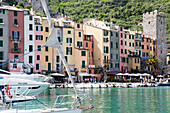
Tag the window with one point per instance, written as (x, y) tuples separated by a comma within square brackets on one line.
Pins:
[(105, 33), (125, 43), (37, 66), (30, 27), (78, 25), (15, 56), (147, 54), (2, 11), (57, 67), (147, 40), (121, 42), (30, 37), (153, 42), (91, 54), (121, 50), (30, 59), (14, 66), (136, 67), (39, 37), (89, 71), (147, 46), (129, 44), (1, 55), (143, 54), (125, 36), (142, 39), (1, 43), (111, 33), (150, 48), (133, 44), (136, 43), (79, 44), (132, 36), (139, 43), (1, 20), (121, 35), (69, 40), (39, 28), (79, 34), (39, 47), (46, 29), (83, 53), (38, 57), (129, 36), (117, 56), (111, 56), (106, 49), (15, 13), (30, 48), (111, 44), (46, 58), (46, 48), (30, 17), (92, 45), (57, 59), (83, 64), (125, 51), (68, 50), (142, 46), (86, 44), (69, 32), (15, 22), (116, 65), (1, 31), (116, 44), (15, 35), (117, 34)]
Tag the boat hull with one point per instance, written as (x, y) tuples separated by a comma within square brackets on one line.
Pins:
[(164, 84), (42, 111)]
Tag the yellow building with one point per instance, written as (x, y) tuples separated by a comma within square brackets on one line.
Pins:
[(47, 52)]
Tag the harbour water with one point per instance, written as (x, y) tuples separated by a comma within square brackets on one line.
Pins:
[(115, 100)]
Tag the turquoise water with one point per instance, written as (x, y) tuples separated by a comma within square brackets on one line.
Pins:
[(116, 100)]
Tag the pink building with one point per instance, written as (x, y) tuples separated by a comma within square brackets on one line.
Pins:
[(88, 40), (16, 39), (38, 43), (121, 49)]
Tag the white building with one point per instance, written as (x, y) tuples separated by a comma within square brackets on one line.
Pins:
[(28, 42)]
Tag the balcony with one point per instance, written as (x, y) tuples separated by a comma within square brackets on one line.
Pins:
[(68, 26), (15, 38), (17, 61), (133, 55), (107, 61), (16, 50)]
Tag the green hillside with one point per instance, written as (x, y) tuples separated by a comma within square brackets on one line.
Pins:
[(125, 13)]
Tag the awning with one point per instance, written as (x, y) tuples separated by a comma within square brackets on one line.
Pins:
[(57, 74), (84, 74), (132, 50)]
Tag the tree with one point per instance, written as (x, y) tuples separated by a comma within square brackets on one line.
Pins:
[(152, 64)]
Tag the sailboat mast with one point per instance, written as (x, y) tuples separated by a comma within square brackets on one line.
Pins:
[(59, 49)]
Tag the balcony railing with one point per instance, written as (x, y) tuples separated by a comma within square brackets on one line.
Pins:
[(107, 61), (17, 61), (15, 38), (16, 50), (68, 26), (133, 55)]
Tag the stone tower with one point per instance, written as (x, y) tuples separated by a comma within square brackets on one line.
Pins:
[(37, 6), (154, 25)]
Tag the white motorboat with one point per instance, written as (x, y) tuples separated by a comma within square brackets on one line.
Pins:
[(24, 87), (34, 77)]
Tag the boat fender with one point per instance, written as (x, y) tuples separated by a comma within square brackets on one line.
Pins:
[(89, 106)]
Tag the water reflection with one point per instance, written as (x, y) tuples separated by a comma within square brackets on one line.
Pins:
[(115, 100)]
